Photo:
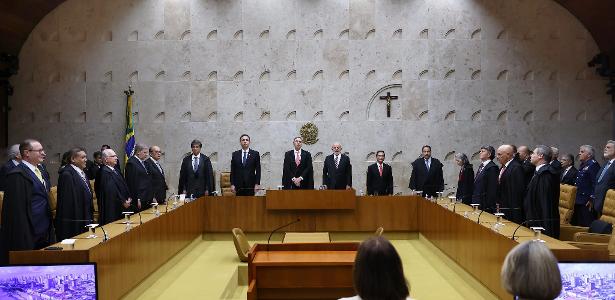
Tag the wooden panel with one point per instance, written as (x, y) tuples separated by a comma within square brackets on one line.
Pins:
[(394, 213), (310, 199)]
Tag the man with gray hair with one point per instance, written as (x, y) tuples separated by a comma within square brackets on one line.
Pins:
[(337, 170), (13, 161), (586, 177), (555, 164), (138, 178), (111, 191), (606, 177), (541, 203)]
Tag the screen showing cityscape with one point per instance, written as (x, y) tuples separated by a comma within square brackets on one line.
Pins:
[(48, 282), (585, 280)]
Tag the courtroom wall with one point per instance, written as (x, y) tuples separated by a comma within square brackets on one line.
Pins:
[(466, 73)]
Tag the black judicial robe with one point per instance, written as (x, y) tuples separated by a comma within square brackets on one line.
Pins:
[(379, 185), (465, 184), (429, 181), (511, 191), (139, 183), (74, 203), (111, 193), (6, 167), (542, 201), (304, 170), (337, 178), (528, 170)]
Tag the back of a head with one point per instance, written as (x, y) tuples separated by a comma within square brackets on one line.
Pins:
[(530, 271), (378, 272)]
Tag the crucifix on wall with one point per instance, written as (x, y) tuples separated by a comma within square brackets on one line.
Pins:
[(388, 99)]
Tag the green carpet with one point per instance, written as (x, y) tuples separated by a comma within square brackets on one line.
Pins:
[(209, 269)]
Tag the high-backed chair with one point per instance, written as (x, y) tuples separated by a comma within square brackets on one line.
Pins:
[(1, 202), (567, 195), (94, 201), (225, 184), (241, 244), (379, 231), (596, 241), (53, 200), (568, 232)]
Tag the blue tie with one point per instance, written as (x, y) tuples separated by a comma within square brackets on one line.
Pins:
[(195, 165), (604, 171), (245, 158)]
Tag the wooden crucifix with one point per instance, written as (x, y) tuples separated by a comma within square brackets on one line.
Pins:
[(388, 99)]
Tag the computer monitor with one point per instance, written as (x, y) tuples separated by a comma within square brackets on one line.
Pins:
[(587, 280), (50, 281)]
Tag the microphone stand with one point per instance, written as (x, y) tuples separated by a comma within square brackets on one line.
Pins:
[(269, 238), (105, 236)]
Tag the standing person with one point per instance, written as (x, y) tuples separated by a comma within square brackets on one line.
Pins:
[(569, 172), (74, 209), (298, 172), (511, 185), (555, 164), (138, 178), (541, 203), (526, 164), (196, 175), (465, 180), (583, 213), (14, 160), (427, 174), (117, 166), (486, 180), (111, 192), (245, 169), (337, 170), (156, 171), (379, 177), (606, 177), (92, 166), (26, 215)]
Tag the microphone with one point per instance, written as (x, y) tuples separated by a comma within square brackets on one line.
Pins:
[(105, 236), (529, 221), (269, 238), (140, 220)]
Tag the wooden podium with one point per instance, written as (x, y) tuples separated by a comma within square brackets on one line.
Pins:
[(310, 199), (295, 271)]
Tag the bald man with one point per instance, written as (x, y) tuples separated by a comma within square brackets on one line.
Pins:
[(337, 170), (511, 185), (111, 190)]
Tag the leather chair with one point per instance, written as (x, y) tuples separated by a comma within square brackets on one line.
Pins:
[(241, 244), (225, 184), (567, 195), (379, 231), (568, 232), (94, 201), (53, 200), (596, 242)]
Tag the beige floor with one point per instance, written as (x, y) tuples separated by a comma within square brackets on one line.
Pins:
[(209, 269)]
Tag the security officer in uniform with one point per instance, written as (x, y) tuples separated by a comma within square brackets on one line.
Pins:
[(586, 177)]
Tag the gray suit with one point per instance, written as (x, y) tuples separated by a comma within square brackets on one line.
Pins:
[(603, 185)]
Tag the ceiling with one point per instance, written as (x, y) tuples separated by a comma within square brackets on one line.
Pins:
[(19, 17)]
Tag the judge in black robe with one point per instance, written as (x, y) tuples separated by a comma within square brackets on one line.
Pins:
[(138, 179), (74, 209), (111, 192), (465, 180), (379, 183), (427, 175), (337, 177), (541, 203), (303, 173), (511, 185)]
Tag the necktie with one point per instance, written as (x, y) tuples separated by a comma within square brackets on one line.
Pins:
[(160, 168), (604, 171), (143, 165), (84, 180), (380, 169), (245, 158), (480, 168), (563, 175), (297, 158), (501, 172), (38, 174), (337, 161), (427, 164), (195, 164)]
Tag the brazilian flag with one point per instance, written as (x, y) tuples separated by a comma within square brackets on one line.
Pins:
[(129, 139)]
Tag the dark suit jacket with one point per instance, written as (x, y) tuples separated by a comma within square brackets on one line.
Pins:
[(245, 177), (511, 190), (569, 177), (379, 185), (337, 178), (429, 182), (159, 183), (199, 182), (528, 170), (139, 183), (74, 203), (602, 186), (465, 184), (304, 170), (486, 187), (6, 167), (586, 180), (91, 169), (111, 193)]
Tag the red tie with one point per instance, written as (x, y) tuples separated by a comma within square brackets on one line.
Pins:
[(297, 158), (380, 169), (501, 172)]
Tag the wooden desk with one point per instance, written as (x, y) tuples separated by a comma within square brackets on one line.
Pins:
[(306, 237), (295, 271), (311, 199)]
